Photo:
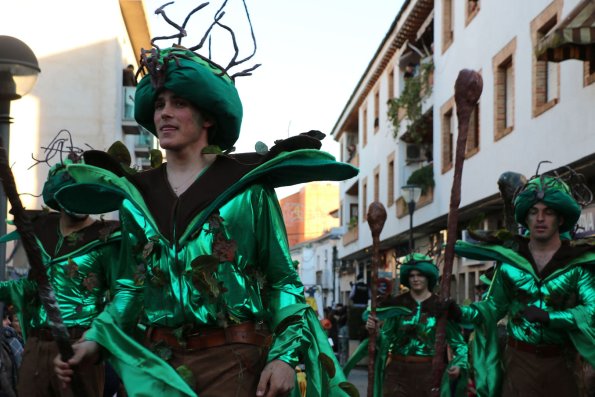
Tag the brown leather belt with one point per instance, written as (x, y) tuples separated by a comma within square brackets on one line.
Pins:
[(538, 350), (210, 337), (412, 359), (45, 334)]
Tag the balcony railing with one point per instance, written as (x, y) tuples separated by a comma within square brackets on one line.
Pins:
[(128, 101), (350, 236), (424, 200)]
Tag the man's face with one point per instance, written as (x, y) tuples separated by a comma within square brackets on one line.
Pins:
[(543, 223), (417, 281), (178, 123)]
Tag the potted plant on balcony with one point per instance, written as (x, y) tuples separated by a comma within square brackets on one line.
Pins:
[(423, 177), (416, 89)]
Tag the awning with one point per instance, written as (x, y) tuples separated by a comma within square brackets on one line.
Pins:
[(573, 38)]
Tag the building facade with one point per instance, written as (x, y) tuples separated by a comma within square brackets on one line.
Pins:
[(310, 212), (400, 126)]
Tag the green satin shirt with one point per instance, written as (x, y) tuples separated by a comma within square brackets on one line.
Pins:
[(251, 279), (414, 334), (81, 268), (562, 285)]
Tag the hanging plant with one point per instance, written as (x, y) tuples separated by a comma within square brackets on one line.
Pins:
[(416, 89), (423, 177)]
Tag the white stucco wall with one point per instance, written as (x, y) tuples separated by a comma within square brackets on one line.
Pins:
[(81, 47)]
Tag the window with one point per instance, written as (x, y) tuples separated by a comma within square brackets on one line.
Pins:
[(365, 125), (473, 133), (365, 198), (391, 82), (545, 75), (376, 110), (503, 65), (391, 180), (471, 10), (447, 24), (377, 184), (353, 211), (447, 121), (589, 72)]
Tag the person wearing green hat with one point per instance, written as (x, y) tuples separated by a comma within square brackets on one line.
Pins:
[(544, 284), (407, 335), (220, 299), (80, 255)]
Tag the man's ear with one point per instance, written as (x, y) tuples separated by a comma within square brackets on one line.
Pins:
[(560, 221)]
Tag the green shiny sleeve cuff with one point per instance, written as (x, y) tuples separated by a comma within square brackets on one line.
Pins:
[(562, 319)]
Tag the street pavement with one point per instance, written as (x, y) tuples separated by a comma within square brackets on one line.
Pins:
[(359, 377)]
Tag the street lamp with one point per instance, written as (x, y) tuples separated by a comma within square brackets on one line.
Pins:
[(18, 72), (411, 195)]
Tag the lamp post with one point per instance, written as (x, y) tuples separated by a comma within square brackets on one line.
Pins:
[(411, 195), (18, 72)]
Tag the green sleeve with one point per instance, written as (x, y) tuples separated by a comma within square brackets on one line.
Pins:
[(283, 286), (457, 344), (585, 286), (497, 301)]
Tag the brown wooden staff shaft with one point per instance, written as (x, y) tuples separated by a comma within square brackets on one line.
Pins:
[(376, 218), (38, 271), (468, 89)]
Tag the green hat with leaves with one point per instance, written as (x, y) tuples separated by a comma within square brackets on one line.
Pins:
[(552, 192), (422, 263), (197, 80), (57, 178)]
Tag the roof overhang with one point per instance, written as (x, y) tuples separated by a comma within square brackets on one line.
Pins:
[(137, 24), (411, 18)]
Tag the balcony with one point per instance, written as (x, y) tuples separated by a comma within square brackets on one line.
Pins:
[(424, 200), (351, 235), (129, 125)]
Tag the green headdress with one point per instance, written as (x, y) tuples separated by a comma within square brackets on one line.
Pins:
[(56, 180), (424, 265), (554, 193), (195, 78)]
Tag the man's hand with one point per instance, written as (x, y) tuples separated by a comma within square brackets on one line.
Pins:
[(453, 310), (85, 353), (276, 380), (454, 372), (533, 314), (373, 324)]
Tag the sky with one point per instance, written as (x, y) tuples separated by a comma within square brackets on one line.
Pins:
[(312, 55)]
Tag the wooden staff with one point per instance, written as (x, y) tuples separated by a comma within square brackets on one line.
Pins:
[(38, 271), (468, 89), (376, 218)]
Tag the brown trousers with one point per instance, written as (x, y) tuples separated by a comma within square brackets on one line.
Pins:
[(529, 375), (403, 379), (229, 370), (37, 377)]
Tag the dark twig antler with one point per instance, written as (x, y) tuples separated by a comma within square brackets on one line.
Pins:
[(57, 147), (157, 68)]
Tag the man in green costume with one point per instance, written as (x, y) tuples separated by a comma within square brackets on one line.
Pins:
[(220, 297), (80, 254), (403, 365), (545, 285)]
